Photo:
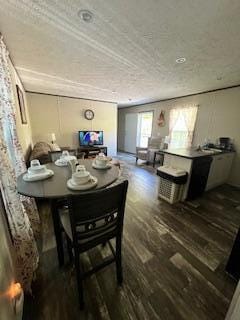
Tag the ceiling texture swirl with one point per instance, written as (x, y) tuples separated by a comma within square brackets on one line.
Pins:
[(127, 52)]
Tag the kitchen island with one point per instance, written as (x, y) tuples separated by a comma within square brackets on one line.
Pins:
[(206, 168)]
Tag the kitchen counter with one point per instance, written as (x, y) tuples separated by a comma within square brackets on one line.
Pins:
[(193, 153), (206, 169)]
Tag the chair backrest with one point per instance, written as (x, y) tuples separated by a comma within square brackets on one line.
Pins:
[(98, 215), (54, 155), (81, 155), (154, 142)]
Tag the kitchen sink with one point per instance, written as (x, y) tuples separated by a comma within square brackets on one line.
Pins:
[(208, 151), (211, 151)]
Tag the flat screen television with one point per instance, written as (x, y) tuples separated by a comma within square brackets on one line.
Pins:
[(90, 138)]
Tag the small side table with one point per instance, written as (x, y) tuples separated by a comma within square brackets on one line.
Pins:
[(159, 153), (92, 150)]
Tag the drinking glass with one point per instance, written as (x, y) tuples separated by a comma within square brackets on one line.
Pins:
[(65, 154), (35, 163)]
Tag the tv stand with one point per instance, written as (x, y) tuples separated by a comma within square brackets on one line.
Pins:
[(91, 151)]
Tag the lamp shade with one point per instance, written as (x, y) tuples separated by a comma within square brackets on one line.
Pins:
[(53, 136)]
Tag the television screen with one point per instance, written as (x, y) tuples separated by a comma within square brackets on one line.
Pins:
[(89, 138)]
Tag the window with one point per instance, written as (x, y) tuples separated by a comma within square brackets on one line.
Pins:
[(144, 129), (181, 126)]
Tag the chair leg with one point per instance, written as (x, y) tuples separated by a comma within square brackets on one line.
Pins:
[(119, 260), (58, 232), (79, 279), (69, 248)]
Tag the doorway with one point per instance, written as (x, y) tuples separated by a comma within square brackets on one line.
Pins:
[(138, 128), (131, 124), (144, 129)]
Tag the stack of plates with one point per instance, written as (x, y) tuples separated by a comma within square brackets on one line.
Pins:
[(92, 182), (95, 166), (63, 162), (37, 173)]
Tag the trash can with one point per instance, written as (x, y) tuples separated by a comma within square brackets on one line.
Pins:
[(171, 183)]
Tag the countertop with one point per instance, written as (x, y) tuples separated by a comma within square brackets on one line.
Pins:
[(193, 153)]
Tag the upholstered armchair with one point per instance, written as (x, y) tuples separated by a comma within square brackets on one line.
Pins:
[(147, 154)]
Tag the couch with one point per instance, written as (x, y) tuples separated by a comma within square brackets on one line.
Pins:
[(40, 152)]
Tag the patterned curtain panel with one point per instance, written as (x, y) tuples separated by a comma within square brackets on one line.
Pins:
[(21, 211)]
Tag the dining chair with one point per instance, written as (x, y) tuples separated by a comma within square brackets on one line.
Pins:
[(54, 155), (147, 154), (81, 155), (92, 219)]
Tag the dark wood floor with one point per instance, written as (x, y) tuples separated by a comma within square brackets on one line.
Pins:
[(174, 258)]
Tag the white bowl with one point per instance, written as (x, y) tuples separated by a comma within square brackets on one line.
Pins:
[(81, 177), (37, 169), (101, 161)]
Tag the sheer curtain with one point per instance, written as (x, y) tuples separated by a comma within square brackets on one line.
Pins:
[(190, 116), (174, 115), (181, 126), (21, 211)]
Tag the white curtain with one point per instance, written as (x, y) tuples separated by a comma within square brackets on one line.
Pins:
[(181, 126), (22, 215), (174, 115), (190, 116)]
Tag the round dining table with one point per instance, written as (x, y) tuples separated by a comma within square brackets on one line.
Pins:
[(55, 189), (56, 186)]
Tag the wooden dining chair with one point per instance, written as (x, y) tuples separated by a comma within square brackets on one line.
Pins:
[(92, 219)]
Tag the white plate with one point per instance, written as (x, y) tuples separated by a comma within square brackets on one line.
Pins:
[(60, 163), (95, 166), (64, 162), (37, 177), (92, 183)]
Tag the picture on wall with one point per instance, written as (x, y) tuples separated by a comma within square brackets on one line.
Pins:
[(21, 105)]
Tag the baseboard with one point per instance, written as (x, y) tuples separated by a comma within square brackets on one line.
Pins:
[(233, 185), (133, 154)]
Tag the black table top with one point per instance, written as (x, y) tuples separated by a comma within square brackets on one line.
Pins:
[(192, 153), (56, 186)]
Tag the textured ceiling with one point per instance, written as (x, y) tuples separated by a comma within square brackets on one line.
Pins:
[(129, 49)]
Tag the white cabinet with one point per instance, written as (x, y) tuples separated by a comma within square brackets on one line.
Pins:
[(180, 163), (220, 170)]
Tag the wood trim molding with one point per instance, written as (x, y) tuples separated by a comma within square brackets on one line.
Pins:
[(179, 97), (71, 97)]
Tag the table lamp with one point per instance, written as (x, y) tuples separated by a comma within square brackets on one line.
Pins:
[(53, 138)]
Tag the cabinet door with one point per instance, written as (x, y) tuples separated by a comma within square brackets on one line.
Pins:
[(220, 170), (214, 176), (227, 164)]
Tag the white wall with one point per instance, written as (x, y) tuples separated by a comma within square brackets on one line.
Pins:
[(65, 117), (218, 115)]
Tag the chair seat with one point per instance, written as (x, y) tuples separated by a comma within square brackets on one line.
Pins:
[(143, 152), (142, 155)]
